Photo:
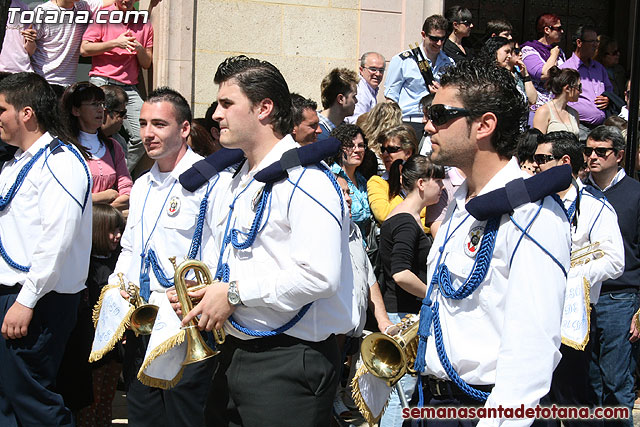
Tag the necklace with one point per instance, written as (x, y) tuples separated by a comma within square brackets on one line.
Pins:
[(568, 126)]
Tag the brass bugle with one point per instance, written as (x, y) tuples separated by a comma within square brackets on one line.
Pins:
[(586, 254), (197, 348), (144, 315), (391, 357)]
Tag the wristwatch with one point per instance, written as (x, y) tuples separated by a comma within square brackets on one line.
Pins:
[(233, 296)]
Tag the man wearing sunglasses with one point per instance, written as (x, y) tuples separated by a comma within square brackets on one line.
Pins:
[(115, 99), (612, 363), (593, 221), (372, 67), (405, 84), (501, 336), (595, 81)]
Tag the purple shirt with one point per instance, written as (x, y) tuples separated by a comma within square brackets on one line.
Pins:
[(594, 81), (366, 100)]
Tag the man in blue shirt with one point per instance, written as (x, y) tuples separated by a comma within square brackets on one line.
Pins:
[(405, 84)]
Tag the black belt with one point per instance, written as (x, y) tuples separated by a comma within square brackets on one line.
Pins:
[(448, 390), (10, 289), (267, 343)]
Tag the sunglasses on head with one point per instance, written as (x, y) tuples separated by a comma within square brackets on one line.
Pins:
[(600, 151), (440, 114), (541, 159), (437, 39), (391, 149)]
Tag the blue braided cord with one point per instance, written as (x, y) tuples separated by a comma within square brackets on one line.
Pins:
[(539, 245), (334, 182), (597, 217), (317, 201), (152, 259), (522, 235), (291, 323), (294, 188), (4, 201), (253, 231), (196, 241), (446, 364), (12, 263), (82, 205)]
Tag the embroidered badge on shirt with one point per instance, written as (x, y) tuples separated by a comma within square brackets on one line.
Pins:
[(174, 206), (472, 242)]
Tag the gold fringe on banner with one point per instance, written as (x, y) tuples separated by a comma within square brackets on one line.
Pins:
[(359, 400), (587, 302), (97, 355), (175, 340)]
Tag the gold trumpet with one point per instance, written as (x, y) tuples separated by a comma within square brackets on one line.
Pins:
[(197, 348), (390, 357), (144, 315), (586, 254)]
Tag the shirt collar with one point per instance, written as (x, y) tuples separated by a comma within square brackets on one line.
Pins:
[(41, 142), (285, 144), (616, 179), (366, 84), (185, 163)]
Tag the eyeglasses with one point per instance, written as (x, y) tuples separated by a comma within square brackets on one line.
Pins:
[(595, 41), (437, 39), (391, 149), (354, 147), (467, 23), (120, 113), (600, 151), (440, 114), (558, 28), (541, 159), (95, 104), (375, 69), (614, 53), (578, 86)]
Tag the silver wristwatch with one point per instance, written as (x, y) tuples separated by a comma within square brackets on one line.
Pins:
[(233, 296)]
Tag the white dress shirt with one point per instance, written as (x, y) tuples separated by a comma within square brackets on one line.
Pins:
[(366, 100), (45, 226), (174, 231), (597, 222), (301, 254), (507, 332)]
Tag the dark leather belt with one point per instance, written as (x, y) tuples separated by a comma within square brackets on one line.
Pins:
[(448, 389), (10, 290)]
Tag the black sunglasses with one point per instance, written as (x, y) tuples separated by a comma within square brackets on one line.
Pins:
[(600, 151), (440, 114), (541, 159), (437, 39), (558, 28), (120, 113), (391, 149)]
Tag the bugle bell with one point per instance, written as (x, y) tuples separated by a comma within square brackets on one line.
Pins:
[(197, 348), (144, 315)]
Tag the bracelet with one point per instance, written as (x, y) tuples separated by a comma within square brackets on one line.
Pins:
[(526, 79)]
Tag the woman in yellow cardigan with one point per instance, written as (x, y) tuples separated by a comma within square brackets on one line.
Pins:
[(398, 143)]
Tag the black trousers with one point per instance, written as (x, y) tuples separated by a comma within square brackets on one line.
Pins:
[(182, 405), (29, 365), (278, 381)]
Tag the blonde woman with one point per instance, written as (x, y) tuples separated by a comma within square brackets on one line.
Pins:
[(381, 118)]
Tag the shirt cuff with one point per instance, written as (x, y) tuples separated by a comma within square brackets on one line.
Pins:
[(27, 297)]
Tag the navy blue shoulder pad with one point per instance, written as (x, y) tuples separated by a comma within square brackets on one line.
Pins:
[(203, 170), (594, 192), (406, 54), (518, 192), (55, 146), (302, 156)]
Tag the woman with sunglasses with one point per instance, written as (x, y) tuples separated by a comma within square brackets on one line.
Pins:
[(404, 248), (83, 107), (346, 164), (460, 26), (542, 54), (556, 115)]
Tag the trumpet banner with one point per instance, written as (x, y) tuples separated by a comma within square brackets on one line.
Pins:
[(111, 317), (370, 394), (162, 366), (576, 313)]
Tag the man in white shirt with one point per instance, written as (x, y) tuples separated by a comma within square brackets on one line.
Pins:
[(495, 313), (162, 222), (593, 222), (284, 264), (45, 241)]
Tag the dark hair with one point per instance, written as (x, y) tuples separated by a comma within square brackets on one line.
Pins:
[(200, 140), (414, 168), (457, 14), (339, 81), (496, 26), (114, 97), (31, 90), (486, 88), (426, 102), (73, 97), (207, 121), (579, 34), (298, 104), (489, 51), (603, 47), (106, 219), (545, 20), (181, 108), (435, 22), (260, 80), (558, 79), (565, 143), (616, 121), (527, 144), (405, 134), (608, 133), (345, 134)]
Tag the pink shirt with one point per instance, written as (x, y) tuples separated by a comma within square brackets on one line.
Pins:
[(13, 57), (105, 175), (118, 64)]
